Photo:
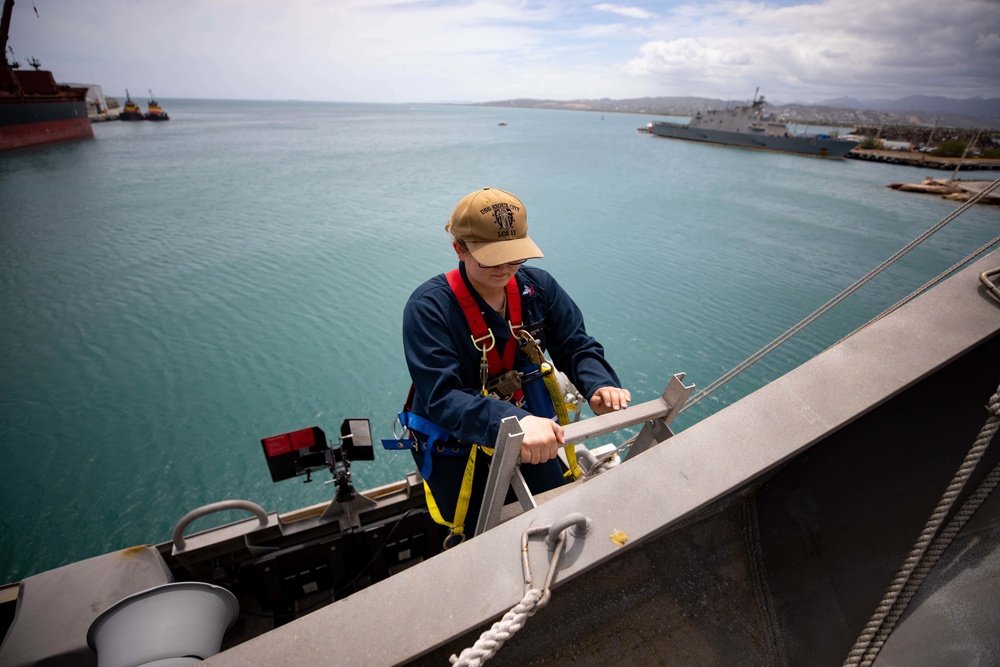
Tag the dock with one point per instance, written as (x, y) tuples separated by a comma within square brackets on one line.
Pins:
[(957, 190), (918, 159)]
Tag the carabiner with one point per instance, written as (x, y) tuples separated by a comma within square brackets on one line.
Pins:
[(484, 362)]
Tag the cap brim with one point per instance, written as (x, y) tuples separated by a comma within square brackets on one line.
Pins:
[(503, 252)]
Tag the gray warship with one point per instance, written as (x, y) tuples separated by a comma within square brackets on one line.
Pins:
[(751, 127)]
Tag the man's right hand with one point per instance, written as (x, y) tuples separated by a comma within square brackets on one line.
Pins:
[(542, 439)]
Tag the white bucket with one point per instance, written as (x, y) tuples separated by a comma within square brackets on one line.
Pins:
[(172, 624)]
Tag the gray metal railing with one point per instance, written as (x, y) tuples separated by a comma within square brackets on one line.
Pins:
[(657, 415)]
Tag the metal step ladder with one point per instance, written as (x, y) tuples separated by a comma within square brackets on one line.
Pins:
[(505, 472)]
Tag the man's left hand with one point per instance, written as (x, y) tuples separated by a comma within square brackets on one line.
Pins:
[(609, 399)]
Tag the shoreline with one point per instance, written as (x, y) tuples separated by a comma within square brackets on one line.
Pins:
[(918, 159), (954, 190)]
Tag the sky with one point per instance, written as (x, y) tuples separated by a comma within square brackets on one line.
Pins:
[(407, 51)]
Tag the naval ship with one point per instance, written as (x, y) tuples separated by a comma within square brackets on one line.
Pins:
[(749, 126)]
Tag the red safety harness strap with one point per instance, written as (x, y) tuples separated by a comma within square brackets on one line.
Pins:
[(481, 334)]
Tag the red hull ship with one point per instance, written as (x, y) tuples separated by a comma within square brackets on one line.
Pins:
[(34, 109)]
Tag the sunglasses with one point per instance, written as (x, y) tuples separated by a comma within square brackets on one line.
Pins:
[(497, 266)]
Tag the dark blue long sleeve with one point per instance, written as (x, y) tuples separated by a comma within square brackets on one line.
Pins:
[(444, 364)]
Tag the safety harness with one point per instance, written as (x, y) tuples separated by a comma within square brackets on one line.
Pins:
[(491, 364), (498, 379)]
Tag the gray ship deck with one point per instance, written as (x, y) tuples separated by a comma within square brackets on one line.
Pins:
[(766, 534)]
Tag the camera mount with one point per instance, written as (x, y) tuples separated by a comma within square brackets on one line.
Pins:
[(305, 451)]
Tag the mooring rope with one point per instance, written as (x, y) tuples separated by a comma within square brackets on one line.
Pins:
[(490, 641), (534, 598), (934, 553), (921, 557), (777, 342)]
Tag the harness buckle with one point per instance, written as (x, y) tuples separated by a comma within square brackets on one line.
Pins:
[(482, 339), (504, 386), (454, 538)]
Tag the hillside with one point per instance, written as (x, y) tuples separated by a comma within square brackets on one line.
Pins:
[(915, 111)]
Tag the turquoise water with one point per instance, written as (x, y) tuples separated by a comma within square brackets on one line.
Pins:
[(173, 292)]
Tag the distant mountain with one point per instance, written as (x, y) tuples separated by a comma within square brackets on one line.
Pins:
[(655, 105), (843, 111), (844, 103), (974, 107)]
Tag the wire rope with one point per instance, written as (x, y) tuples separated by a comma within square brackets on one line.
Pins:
[(777, 342)]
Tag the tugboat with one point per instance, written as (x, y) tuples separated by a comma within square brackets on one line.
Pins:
[(155, 111), (132, 110)]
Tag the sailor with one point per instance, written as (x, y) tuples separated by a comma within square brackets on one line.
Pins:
[(465, 338)]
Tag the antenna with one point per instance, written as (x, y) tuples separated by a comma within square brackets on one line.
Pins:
[(8, 9)]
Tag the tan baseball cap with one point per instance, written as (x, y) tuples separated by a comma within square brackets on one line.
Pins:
[(494, 225)]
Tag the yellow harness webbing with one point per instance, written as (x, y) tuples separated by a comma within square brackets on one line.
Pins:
[(491, 364), (457, 525), (461, 507), (555, 393)]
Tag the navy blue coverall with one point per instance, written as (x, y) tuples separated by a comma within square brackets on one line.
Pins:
[(444, 368)]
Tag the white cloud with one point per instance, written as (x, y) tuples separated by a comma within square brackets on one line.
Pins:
[(988, 43), (453, 50), (811, 51), (631, 12)]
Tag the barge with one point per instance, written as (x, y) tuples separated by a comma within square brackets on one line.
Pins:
[(34, 109)]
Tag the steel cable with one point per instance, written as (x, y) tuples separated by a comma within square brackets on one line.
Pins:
[(770, 347)]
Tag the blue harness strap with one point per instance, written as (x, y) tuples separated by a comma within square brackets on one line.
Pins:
[(536, 395), (437, 438)]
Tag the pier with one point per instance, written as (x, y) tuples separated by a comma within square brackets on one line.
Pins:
[(918, 159), (957, 190)]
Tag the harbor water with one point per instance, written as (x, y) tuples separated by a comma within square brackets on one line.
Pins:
[(171, 293)]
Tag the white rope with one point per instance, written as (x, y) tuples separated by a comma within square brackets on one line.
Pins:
[(491, 640), (867, 646), (534, 599)]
